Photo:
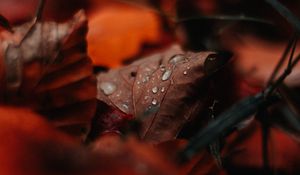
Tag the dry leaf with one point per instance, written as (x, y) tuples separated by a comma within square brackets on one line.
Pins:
[(164, 91), (44, 65)]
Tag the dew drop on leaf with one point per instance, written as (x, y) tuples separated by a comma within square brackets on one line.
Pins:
[(146, 79), (108, 88), (177, 58), (154, 102), (155, 90), (211, 58), (166, 75), (162, 68), (125, 107)]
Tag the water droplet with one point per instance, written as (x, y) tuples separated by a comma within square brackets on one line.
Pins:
[(211, 58), (151, 110), (162, 89), (147, 69), (185, 72), (108, 88), (145, 79), (155, 90), (188, 68), (162, 68), (146, 97), (154, 101), (166, 75), (177, 58), (125, 107)]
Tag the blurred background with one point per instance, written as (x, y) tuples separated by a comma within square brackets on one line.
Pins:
[(121, 31)]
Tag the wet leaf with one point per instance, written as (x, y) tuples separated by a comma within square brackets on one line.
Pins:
[(164, 91)]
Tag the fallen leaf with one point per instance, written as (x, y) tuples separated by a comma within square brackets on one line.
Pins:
[(164, 91), (44, 65)]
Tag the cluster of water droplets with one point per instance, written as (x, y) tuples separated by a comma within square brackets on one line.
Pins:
[(108, 88), (166, 74)]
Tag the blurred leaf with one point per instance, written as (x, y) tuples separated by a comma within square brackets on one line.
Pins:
[(46, 68)]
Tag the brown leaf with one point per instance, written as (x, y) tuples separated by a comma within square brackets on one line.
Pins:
[(164, 91), (44, 65)]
